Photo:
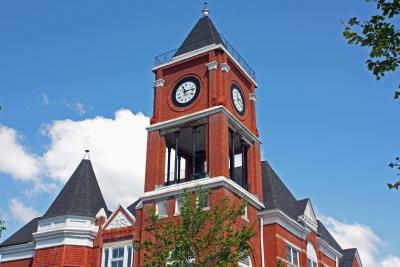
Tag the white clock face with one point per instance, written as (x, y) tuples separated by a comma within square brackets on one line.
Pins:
[(237, 100), (185, 92)]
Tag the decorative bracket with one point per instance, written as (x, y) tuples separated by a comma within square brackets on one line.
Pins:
[(252, 97), (159, 83), (213, 65), (225, 67)]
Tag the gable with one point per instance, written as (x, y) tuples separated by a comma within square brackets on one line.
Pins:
[(119, 220), (309, 213), (307, 216)]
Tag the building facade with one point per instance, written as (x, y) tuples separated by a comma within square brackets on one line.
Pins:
[(203, 132)]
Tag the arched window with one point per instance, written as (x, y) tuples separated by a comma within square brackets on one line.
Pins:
[(312, 259), (245, 262)]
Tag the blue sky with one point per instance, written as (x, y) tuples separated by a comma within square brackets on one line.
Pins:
[(327, 125)]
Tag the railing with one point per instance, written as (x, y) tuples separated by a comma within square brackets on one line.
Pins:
[(176, 53), (182, 178)]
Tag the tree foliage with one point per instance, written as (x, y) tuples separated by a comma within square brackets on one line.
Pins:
[(199, 236), (2, 227), (381, 35)]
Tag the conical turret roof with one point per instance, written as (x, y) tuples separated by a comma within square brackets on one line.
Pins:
[(203, 34), (81, 195)]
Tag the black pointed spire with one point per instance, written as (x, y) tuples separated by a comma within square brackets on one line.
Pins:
[(80, 196), (203, 34)]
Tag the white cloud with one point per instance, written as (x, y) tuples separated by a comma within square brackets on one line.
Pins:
[(77, 107), (118, 152), (15, 160), (20, 212), (118, 149), (369, 245), (45, 100)]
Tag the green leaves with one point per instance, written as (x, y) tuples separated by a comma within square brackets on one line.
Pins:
[(200, 236), (380, 35)]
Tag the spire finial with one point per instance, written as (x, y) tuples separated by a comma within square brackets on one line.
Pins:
[(86, 156), (205, 11)]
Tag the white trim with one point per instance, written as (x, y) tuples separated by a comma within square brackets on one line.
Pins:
[(204, 183), (101, 213), (262, 240), (118, 243), (309, 218), (213, 65), (65, 230), (159, 83), (328, 250), (203, 114), (225, 67), (106, 224), (139, 205), (277, 216), (17, 252), (252, 97), (201, 51)]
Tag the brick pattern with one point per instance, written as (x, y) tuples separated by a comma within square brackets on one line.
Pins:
[(18, 263), (65, 256)]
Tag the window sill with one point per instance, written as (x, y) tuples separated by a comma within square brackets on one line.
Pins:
[(162, 216)]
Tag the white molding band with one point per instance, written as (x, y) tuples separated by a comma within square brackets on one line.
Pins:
[(65, 230), (159, 83), (205, 183), (277, 216), (203, 114), (204, 50), (328, 250), (252, 97), (213, 65), (225, 67), (17, 252)]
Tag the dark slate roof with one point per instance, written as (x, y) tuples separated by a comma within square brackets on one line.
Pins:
[(80, 196), (324, 233), (301, 206), (277, 195), (132, 207), (203, 34), (23, 235), (348, 257)]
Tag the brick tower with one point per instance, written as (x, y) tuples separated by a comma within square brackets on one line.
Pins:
[(203, 131)]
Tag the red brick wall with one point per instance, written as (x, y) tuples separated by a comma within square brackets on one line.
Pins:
[(215, 88), (64, 256), (215, 196), (18, 263), (275, 246)]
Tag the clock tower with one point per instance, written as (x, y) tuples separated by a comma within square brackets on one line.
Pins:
[(203, 129)]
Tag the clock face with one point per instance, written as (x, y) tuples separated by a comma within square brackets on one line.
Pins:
[(238, 99), (185, 92)]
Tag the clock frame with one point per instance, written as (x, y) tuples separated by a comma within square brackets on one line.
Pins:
[(191, 79)]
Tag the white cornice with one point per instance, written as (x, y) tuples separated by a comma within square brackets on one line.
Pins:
[(328, 250), (17, 252), (277, 216), (203, 114), (205, 183), (65, 230), (204, 50)]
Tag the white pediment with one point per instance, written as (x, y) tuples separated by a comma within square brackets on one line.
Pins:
[(309, 217), (309, 213), (119, 221)]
